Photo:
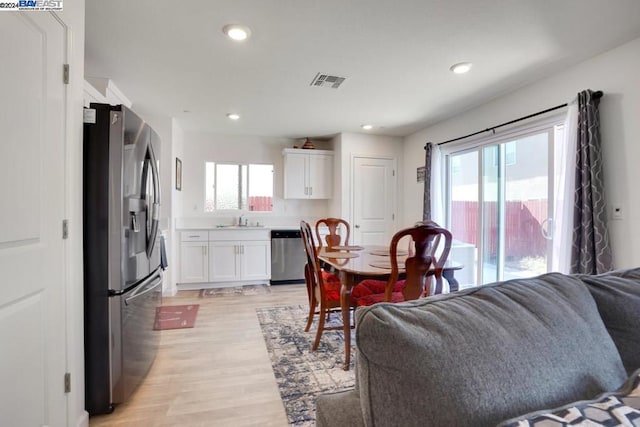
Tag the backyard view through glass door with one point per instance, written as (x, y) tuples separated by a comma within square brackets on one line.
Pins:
[(499, 201)]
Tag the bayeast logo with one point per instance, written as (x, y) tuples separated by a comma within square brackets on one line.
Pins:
[(40, 4)]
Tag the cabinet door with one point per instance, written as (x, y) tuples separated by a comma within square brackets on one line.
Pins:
[(256, 260), (295, 176), (320, 172), (224, 261), (194, 262)]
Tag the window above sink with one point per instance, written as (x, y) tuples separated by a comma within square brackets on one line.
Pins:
[(236, 186)]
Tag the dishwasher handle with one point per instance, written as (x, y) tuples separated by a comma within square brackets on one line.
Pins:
[(285, 234)]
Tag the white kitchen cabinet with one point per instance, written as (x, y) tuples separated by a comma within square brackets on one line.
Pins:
[(308, 174), (225, 261), (256, 260), (194, 257), (239, 260), (226, 256)]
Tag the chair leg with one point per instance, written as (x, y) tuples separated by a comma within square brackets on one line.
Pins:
[(312, 309), (320, 327)]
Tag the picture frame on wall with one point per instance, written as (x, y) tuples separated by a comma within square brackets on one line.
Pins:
[(178, 174)]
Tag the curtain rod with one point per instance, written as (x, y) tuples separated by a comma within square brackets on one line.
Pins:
[(598, 94)]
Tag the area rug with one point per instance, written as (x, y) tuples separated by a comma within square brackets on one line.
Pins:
[(175, 317), (303, 374), (236, 290)]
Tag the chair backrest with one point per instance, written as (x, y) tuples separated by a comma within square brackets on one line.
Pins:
[(333, 238), (439, 254), (419, 263), (312, 272)]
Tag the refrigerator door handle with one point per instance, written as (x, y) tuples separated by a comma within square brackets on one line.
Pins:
[(145, 288), (157, 273), (155, 204)]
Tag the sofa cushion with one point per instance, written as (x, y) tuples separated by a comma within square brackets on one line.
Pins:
[(339, 409), (617, 295), (620, 408), (479, 356)]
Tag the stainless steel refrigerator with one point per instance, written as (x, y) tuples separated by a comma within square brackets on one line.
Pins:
[(122, 253)]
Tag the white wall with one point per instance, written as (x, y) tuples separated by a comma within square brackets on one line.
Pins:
[(616, 74), (177, 151), (201, 147)]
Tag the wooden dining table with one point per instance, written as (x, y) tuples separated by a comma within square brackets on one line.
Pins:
[(356, 263)]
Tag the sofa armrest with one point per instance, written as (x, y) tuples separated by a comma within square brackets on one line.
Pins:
[(617, 295), (339, 410)]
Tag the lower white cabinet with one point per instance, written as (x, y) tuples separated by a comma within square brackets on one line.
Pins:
[(256, 260), (239, 260), (194, 256), (194, 262), (225, 256)]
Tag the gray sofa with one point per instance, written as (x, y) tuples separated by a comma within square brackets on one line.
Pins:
[(481, 356)]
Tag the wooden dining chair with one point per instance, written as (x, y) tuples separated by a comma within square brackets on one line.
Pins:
[(333, 238), (440, 253), (418, 267), (323, 288)]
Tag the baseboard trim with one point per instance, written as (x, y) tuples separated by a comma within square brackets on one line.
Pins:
[(197, 286)]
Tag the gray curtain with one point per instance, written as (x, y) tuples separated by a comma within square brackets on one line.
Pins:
[(426, 203), (590, 253)]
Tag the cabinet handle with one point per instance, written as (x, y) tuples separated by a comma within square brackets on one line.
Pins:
[(311, 191), (242, 249), (306, 189)]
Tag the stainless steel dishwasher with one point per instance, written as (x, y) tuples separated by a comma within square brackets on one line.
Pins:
[(287, 257)]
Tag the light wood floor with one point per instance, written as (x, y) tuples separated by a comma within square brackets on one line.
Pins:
[(216, 374)]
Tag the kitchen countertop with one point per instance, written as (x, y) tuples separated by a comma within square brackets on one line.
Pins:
[(235, 227)]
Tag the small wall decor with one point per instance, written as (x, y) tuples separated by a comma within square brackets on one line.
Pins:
[(420, 173), (178, 174)]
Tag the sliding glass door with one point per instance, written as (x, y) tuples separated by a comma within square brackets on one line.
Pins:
[(500, 201)]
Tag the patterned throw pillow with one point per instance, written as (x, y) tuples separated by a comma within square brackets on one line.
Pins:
[(618, 409)]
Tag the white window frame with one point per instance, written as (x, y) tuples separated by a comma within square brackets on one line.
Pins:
[(478, 144), (242, 208)]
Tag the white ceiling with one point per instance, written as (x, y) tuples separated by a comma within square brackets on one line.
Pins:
[(168, 57)]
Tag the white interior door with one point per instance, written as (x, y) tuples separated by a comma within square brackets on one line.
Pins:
[(373, 201), (32, 295)]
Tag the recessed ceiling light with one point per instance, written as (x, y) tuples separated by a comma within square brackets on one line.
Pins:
[(236, 32), (461, 67), (233, 116), (366, 127)]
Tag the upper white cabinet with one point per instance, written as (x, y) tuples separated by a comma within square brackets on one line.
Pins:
[(308, 174)]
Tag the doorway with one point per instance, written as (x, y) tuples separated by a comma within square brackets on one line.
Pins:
[(373, 200), (500, 200)]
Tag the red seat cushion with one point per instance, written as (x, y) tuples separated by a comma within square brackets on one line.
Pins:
[(371, 299), (369, 287), (332, 286), (329, 277)]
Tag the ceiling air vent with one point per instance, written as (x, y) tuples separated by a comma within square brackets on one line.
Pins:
[(326, 80)]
